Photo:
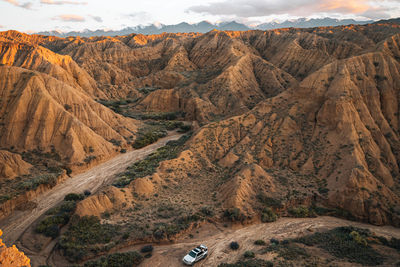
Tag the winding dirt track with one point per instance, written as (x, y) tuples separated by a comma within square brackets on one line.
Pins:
[(15, 224)]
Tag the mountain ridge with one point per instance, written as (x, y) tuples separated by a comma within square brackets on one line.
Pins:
[(205, 26)]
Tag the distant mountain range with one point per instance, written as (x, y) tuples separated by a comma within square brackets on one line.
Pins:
[(206, 26)]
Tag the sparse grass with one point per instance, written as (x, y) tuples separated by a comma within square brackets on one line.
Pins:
[(346, 243), (84, 232), (128, 259), (149, 165), (248, 263)]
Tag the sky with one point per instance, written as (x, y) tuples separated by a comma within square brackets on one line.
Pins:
[(68, 15)]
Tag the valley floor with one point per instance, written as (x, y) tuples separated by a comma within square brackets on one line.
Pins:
[(92, 180), (218, 238)]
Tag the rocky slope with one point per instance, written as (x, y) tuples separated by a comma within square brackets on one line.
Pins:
[(317, 124)]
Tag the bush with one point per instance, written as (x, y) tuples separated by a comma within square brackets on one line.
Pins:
[(269, 202), (207, 211), (234, 215), (87, 193), (301, 212), (234, 245), (73, 197), (249, 254), (274, 241), (268, 215), (50, 226), (259, 242), (148, 138), (146, 249), (127, 259)]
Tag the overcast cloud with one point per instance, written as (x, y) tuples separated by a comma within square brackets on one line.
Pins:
[(259, 8)]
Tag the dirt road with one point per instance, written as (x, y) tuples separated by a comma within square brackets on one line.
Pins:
[(218, 239), (93, 179)]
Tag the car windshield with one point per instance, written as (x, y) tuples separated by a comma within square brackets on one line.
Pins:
[(192, 254)]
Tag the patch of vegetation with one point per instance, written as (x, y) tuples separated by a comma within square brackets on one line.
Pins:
[(269, 202), (148, 138), (128, 259), (302, 212), (248, 263), (249, 254), (32, 184), (4, 198), (333, 212), (268, 215), (234, 245), (58, 216), (167, 116), (288, 251), (260, 242), (234, 215), (167, 230), (147, 249), (346, 243), (84, 232), (149, 165), (74, 197)]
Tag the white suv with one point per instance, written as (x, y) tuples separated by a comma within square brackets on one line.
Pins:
[(195, 255)]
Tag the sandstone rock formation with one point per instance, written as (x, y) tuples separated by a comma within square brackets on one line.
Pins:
[(301, 115), (11, 256)]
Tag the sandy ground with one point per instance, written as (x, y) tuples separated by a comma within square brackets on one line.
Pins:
[(93, 179), (217, 239)]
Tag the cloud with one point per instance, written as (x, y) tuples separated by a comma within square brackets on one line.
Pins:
[(139, 16), (62, 2), (260, 8), (97, 18), (70, 18), (18, 4)]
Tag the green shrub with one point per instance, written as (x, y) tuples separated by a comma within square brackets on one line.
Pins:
[(128, 259), (207, 211), (234, 215), (301, 212), (234, 245), (73, 197), (269, 202), (268, 215), (249, 254), (146, 249), (148, 138), (50, 226)]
